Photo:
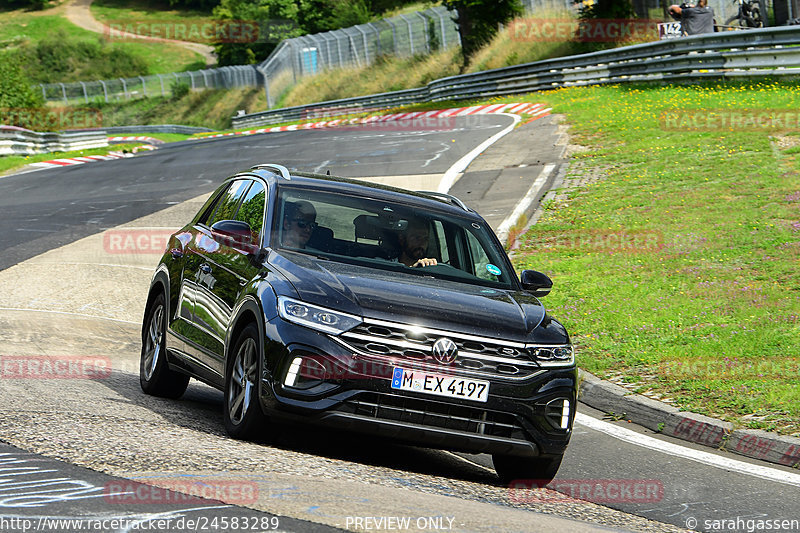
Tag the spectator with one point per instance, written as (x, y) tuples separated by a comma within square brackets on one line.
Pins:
[(694, 19)]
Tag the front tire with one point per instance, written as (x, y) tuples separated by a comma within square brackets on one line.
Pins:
[(155, 377), (538, 471), (242, 409)]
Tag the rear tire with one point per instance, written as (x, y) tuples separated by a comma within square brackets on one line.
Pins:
[(242, 407), (539, 471), (155, 377)]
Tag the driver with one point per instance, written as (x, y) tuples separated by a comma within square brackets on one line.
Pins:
[(414, 245)]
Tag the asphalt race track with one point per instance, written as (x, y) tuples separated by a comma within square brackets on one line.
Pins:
[(64, 293)]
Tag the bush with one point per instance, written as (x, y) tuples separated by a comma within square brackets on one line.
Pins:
[(179, 89), (15, 87)]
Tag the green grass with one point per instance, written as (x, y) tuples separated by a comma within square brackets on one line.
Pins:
[(705, 307), (9, 163), (20, 28), (207, 108), (107, 11)]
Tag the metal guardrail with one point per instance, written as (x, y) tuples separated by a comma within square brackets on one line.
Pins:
[(159, 128), (754, 53), (20, 141)]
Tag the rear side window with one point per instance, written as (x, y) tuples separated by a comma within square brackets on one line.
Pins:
[(229, 202), (252, 208)]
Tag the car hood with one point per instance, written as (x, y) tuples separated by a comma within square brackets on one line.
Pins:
[(412, 299)]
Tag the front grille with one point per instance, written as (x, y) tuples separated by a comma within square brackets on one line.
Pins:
[(406, 344), (434, 414)]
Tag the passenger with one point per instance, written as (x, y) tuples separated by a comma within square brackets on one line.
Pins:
[(694, 19), (414, 245), (299, 222)]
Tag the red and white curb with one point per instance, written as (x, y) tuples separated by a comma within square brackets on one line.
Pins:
[(535, 110), (148, 140), (79, 160)]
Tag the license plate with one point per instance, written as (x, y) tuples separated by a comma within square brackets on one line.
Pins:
[(436, 384)]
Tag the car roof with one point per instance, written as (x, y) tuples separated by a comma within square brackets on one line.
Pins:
[(330, 183)]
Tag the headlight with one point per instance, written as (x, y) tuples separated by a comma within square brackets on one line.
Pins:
[(315, 317), (548, 356)]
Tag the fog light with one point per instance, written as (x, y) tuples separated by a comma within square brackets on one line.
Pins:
[(557, 412), (291, 375)]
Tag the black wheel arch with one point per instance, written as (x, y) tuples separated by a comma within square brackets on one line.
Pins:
[(159, 285)]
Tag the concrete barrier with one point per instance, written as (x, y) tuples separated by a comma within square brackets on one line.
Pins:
[(19, 141)]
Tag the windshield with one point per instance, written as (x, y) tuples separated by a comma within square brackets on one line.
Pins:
[(389, 236)]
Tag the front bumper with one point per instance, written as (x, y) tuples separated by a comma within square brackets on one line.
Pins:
[(521, 417)]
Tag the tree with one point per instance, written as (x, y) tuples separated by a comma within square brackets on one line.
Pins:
[(277, 20), (608, 9), (478, 21)]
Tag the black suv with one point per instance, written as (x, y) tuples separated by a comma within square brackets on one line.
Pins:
[(366, 308)]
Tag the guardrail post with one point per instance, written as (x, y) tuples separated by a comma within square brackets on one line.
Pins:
[(105, 90), (161, 80), (64, 93), (144, 86)]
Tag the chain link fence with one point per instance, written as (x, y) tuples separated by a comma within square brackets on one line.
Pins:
[(411, 34), (417, 33)]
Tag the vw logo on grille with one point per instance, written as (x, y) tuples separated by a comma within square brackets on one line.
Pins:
[(445, 351)]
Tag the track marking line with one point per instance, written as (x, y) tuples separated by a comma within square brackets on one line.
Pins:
[(522, 205), (706, 458), (459, 166)]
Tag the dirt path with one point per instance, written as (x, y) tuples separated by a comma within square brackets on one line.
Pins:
[(78, 12)]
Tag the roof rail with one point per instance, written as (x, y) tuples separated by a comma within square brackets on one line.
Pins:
[(448, 197), (282, 170)]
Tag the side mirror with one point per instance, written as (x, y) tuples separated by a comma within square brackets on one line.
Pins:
[(236, 234), (536, 283)]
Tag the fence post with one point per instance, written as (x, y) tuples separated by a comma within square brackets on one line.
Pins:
[(425, 31), (105, 90), (205, 78), (377, 37), (161, 80), (338, 47), (441, 25), (410, 34), (124, 88), (394, 35), (144, 86), (366, 46), (191, 75), (64, 93), (266, 86), (85, 96), (44, 93)]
